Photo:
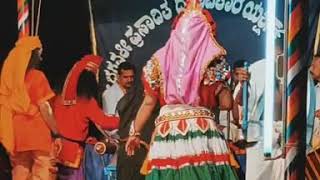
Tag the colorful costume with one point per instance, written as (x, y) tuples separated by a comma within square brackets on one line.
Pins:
[(73, 114), (186, 142), (21, 93)]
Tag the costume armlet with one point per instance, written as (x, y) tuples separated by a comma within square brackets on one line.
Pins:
[(132, 131)]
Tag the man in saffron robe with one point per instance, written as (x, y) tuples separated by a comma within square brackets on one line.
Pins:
[(26, 121)]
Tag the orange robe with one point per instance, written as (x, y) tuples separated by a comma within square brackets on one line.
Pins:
[(31, 131), (14, 96), (73, 123)]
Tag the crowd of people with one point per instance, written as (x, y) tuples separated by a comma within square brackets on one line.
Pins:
[(170, 124)]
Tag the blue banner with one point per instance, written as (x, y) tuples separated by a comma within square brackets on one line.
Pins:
[(134, 31)]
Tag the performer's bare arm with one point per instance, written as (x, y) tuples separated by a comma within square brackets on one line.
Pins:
[(145, 111), (225, 99), (143, 115), (47, 114)]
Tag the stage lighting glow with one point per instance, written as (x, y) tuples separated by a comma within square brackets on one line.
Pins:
[(269, 77)]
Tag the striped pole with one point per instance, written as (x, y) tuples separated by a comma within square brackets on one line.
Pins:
[(23, 18), (296, 90)]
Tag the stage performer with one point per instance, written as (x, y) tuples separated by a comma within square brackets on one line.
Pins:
[(73, 110), (186, 143), (27, 121), (95, 163)]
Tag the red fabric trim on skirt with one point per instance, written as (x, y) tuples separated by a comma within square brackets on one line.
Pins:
[(190, 160)]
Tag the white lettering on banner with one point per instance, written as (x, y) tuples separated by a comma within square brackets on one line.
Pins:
[(135, 34), (227, 7), (143, 29), (249, 10), (237, 6)]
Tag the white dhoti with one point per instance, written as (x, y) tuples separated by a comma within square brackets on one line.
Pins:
[(260, 168)]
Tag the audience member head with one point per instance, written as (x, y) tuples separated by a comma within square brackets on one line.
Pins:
[(126, 73)]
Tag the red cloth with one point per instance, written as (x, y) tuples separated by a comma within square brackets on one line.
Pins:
[(88, 62), (208, 95), (73, 123), (73, 113)]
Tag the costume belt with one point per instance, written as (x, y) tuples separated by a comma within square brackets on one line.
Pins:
[(191, 113), (81, 143)]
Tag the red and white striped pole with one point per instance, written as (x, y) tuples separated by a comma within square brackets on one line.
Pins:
[(23, 18), (296, 89)]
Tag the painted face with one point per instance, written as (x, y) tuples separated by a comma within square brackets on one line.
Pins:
[(126, 78)]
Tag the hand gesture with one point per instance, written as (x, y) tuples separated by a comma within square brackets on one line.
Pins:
[(131, 145), (57, 145)]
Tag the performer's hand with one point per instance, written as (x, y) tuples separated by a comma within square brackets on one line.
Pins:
[(132, 143), (317, 114), (241, 74), (57, 146)]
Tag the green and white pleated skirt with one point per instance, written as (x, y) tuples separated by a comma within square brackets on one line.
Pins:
[(187, 145)]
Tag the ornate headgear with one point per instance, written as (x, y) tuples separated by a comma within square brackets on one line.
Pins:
[(221, 72), (205, 12), (88, 62)]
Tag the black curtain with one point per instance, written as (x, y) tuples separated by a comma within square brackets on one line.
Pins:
[(64, 32)]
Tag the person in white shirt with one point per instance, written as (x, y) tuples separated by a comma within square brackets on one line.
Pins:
[(313, 117), (112, 95), (315, 75), (257, 167)]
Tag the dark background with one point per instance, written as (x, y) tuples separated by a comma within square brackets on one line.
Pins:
[(63, 30)]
